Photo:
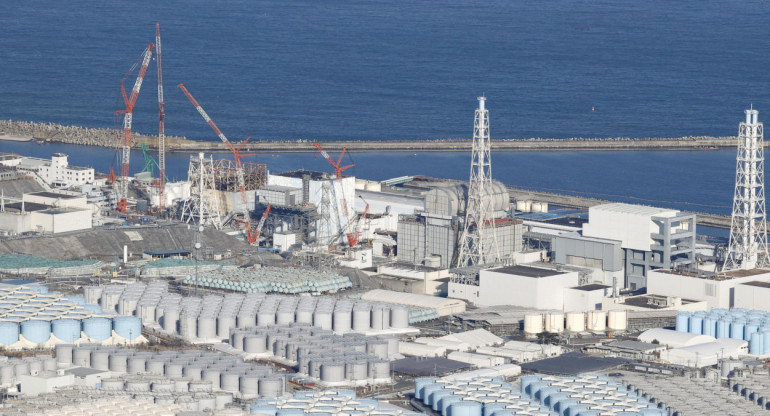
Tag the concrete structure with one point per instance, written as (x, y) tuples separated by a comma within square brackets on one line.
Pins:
[(45, 382), (410, 278), (523, 285), (717, 291), (752, 295), (604, 257), (652, 238), (430, 237), (56, 172), (45, 212)]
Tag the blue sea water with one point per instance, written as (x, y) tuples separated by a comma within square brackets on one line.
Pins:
[(288, 69)]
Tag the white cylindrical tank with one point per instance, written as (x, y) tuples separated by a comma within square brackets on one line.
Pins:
[(342, 321), (617, 320), (576, 322), (230, 382), (597, 321), (322, 319), (63, 353), (170, 320), (361, 318), (255, 344), (332, 372), (249, 385), (533, 323), (224, 324), (100, 360), (271, 386), (207, 327), (554, 322), (399, 317)]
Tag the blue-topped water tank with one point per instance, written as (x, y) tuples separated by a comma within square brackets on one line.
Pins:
[(709, 327), (736, 329), (9, 332), (97, 328), (78, 300), (723, 328), (42, 289), (265, 409), (696, 324), (765, 341), (128, 327), (749, 329), (466, 408), (36, 331), (683, 321), (67, 330), (420, 383), (755, 344), (93, 308)]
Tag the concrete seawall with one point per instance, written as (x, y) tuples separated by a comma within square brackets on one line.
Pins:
[(111, 138)]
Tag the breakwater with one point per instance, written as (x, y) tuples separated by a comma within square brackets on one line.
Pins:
[(111, 138)]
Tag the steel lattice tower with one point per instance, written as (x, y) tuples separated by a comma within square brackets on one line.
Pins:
[(476, 246), (203, 204), (748, 231)]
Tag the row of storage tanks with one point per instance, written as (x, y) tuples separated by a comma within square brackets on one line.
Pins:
[(69, 330), (325, 402), (591, 321), (272, 279), (752, 384), (199, 370), (587, 395), (736, 323), (213, 316), (687, 396), (526, 205), (13, 368), (319, 353)]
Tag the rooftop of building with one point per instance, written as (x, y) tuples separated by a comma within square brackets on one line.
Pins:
[(313, 174), (758, 284), (278, 188), (82, 371), (54, 195), (573, 363), (421, 367), (651, 301), (526, 271), (410, 266), (9, 156), (590, 287), (28, 207), (631, 209), (736, 274), (568, 221)]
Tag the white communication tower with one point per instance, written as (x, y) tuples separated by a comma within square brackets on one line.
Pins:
[(478, 242), (203, 205), (748, 230)]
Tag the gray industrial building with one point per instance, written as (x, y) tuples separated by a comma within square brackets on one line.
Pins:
[(430, 237)]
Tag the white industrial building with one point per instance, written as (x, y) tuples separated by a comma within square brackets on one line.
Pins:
[(652, 238), (694, 350), (328, 194), (56, 172), (718, 291), (521, 285), (45, 212)]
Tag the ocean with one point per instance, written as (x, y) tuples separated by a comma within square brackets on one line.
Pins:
[(411, 70)]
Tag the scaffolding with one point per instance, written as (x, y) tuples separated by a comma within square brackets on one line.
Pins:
[(226, 176), (203, 205)]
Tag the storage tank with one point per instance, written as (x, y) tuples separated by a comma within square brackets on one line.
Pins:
[(255, 344), (736, 329), (576, 322), (342, 321), (81, 357), (596, 321), (755, 344), (36, 331), (696, 324), (112, 384), (162, 386), (188, 326), (9, 333), (265, 318), (617, 320), (170, 320), (96, 328), (224, 324), (380, 317), (119, 361), (207, 327), (723, 328), (284, 317), (322, 319), (361, 317), (7, 373), (222, 400), (304, 316), (100, 360), (332, 372), (137, 364), (249, 385), (156, 366), (271, 386), (173, 369), (213, 376), (533, 323), (554, 322), (379, 369), (230, 381), (709, 327), (128, 327), (67, 330), (466, 408), (399, 317), (683, 321)]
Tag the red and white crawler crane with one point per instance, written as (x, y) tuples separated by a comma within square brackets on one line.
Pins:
[(251, 235)]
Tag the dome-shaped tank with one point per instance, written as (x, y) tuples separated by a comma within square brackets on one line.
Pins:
[(67, 330), (9, 333), (98, 329), (36, 331), (128, 327)]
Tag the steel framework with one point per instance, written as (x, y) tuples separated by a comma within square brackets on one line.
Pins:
[(748, 229), (474, 248), (203, 205), (226, 175)]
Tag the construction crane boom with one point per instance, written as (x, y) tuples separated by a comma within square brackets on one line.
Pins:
[(250, 235), (161, 126), (261, 224), (355, 235), (130, 101), (337, 173)]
